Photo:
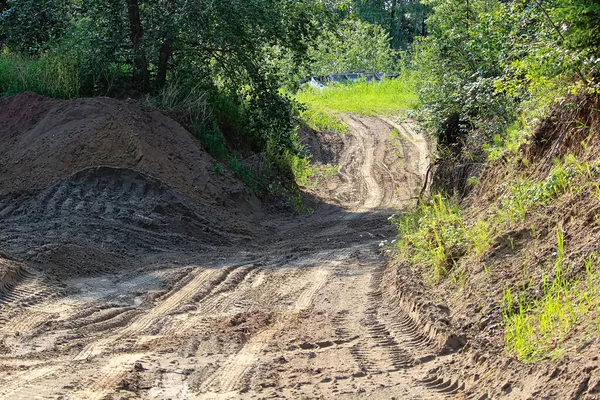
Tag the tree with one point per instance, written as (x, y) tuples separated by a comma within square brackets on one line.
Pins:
[(140, 71), (354, 46), (404, 20), (30, 26)]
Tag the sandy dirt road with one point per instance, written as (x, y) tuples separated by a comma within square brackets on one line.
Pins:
[(308, 310)]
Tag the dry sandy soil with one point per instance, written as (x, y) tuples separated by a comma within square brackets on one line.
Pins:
[(130, 270)]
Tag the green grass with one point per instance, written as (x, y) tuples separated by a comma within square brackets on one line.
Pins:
[(322, 120), (514, 137), (375, 98), (480, 237), (389, 97), (48, 75), (537, 328), (433, 236), (522, 194)]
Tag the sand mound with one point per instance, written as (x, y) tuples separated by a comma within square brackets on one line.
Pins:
[(44, 140), (92, 185)]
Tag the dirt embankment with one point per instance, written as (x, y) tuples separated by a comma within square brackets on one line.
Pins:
[(45, 140), (521, 255)]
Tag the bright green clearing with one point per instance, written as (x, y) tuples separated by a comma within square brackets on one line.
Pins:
[(389, 97)]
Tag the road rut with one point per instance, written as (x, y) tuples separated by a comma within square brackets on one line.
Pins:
[(307, 311)]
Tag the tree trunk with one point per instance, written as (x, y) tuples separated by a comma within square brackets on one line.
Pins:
[(393, 25), (393, 15), (163, 63), (140, 71)]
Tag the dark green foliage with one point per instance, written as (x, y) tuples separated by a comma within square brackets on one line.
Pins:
[(581, 18), (404, 20), (31, 26), (138, 46), (482, 60)]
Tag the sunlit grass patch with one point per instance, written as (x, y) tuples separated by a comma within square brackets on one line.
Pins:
[(432, 237), (389, 96), (322, 120), (537, 328)]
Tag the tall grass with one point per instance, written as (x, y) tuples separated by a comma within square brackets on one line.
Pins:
[(433, 237), (51, 75), (537, 328)]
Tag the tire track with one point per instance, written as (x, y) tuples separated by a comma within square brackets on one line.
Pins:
[(371, 192), (201, 284), (25, 322), (225, 380), (200, 278), (10, 386), (224, 298)]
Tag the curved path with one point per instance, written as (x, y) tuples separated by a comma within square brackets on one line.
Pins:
[(309, 311)]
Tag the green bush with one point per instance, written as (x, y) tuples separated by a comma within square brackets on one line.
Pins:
[(353, 46)]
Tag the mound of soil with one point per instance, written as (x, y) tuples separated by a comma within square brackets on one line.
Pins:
[(324, 147), (44, 140), (90, 185)]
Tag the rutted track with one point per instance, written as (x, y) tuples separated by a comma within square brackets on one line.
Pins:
[(307, 311)]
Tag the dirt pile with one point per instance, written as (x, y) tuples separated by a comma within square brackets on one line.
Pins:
[(86, 184), (44, 140)]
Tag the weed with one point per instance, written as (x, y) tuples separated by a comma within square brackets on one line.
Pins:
[(318, 173), (433, 237), (479, 235), (536, 328)]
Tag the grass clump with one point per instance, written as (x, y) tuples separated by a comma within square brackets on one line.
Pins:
[(522, 195), (537, 328), (433, 237)]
